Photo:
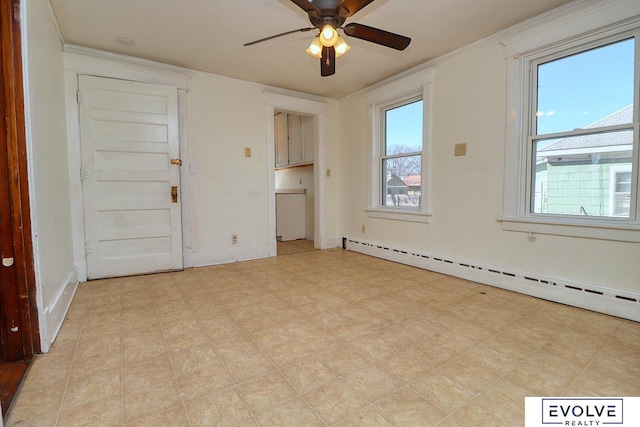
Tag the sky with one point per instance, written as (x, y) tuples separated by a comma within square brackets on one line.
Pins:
[(404, 126), (573, 92), (579, 90)]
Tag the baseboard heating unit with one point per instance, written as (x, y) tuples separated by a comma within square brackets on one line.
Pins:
[(583, 295)]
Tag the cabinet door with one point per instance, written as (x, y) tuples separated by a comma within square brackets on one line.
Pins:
[(295, 139), (282, 139), (307, 139)]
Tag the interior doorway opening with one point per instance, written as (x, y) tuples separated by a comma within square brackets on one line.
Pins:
[(296, 142)]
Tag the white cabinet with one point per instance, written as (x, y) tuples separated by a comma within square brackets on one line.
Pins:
[(282, 139), (294, 140), (290, 214)]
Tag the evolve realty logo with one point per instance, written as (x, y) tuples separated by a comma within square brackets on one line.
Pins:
[(582, 412)]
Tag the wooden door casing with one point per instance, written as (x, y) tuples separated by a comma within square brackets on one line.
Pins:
[(19, 326)]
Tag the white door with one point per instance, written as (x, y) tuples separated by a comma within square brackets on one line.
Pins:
[(129, 135)]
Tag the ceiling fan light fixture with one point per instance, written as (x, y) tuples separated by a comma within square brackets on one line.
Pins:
[(341, 47), (328, 36), (315, 48)]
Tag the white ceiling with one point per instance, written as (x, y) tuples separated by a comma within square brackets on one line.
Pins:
[(208, 35)]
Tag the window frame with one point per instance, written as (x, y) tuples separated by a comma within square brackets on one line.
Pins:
[(614, 172), (383, 149), (406, 90), (575, 31)]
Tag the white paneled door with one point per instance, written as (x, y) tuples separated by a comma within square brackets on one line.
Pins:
[(131, 188)]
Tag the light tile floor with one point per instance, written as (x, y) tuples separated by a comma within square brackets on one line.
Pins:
[(315, 339), (295, 246)]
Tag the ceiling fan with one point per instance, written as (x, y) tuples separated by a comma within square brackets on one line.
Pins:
[(328, 16)]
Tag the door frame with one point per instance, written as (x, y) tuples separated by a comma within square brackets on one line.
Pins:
[(84, 61), (290, 104), (12, 94)]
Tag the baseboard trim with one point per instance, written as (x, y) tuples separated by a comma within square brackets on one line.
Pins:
[(589, 296), (53, 315), (226, 256)]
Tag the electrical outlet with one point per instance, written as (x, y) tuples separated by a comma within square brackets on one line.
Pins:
[(247, 152), (234, 239), (461, 149), (363, 228)]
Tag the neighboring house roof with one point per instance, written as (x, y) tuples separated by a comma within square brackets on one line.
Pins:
[(413, 180), (609, 139), (395, 181)]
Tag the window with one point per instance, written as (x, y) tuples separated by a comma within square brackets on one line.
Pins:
[(401, 159), (400, 116), (581, 125), (572, 125)]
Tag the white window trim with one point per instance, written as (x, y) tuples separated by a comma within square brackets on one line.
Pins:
[(577, 26), (613, 172), (417, 84)]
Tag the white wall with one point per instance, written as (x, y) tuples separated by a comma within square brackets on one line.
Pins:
[(230, 192), (48, 165), (300, 177), (469, 101)]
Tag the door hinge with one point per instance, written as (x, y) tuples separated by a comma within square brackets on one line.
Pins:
[(80, 99), (88, 249), (84, 174)]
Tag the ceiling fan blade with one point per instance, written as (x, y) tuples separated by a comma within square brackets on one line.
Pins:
[(375, 35), (328, 61), (300, 30), (347, 8), (307, 6)]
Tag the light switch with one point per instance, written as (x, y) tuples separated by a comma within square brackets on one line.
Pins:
[(461, 149)]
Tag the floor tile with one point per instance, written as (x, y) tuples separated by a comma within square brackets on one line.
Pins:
[(443, 392), (142, 403), (484, 412), (105, 412), (205, 380), (175, 417), (219, 408), (335, 401), (266, 391), (368, 417), (407, 408), (249, 365), (101, 385), (293, 412), (372, 382), (308, 374)]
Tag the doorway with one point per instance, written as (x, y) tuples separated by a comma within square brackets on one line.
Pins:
[(315, 112), (294, 181)]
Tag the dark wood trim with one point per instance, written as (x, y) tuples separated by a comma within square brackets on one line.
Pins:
[(16, 151), (11, 375)]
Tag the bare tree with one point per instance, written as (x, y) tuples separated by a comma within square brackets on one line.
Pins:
[(402, 167)]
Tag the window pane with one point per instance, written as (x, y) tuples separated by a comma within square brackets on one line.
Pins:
[(576, 175), (586, 90), (402, 183), (403, 133)]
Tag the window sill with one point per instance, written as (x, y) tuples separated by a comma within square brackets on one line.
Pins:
[(601, 230), (399, 215)]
